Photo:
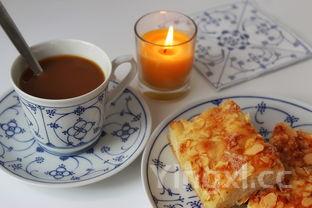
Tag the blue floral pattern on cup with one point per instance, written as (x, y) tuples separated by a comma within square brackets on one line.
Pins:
[(86, 119), (78, 131), (236, 41), (162, 169), (123, 134)]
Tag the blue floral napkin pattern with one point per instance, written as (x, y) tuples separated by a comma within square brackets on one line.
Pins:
[(237, 42)]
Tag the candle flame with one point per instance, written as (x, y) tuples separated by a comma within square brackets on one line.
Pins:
[(169, 38)]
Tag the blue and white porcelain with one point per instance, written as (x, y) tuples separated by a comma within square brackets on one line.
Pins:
[(165, 184), (236, 41), (125, 132), (67, 126)]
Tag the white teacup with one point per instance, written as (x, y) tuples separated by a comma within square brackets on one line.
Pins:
[(68, 126)]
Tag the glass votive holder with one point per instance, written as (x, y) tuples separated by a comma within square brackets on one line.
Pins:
[(165, 42)]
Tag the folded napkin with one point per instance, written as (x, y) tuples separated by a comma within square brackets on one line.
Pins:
[(237, 42)]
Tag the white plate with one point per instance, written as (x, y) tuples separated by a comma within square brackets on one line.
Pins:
[(164, 182), (123, 138)]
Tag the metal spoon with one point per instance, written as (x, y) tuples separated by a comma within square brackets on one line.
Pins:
[(17, 39)]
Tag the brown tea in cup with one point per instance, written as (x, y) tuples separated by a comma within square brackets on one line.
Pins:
[(65, 76)]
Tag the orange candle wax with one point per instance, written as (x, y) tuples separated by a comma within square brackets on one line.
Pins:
[(166, 58)]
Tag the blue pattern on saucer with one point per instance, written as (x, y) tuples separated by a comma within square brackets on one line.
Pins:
[(237, 42), (165, 183), (125, 132)]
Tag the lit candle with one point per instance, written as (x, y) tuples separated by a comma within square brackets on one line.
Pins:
[(166, 58), (165, 43)]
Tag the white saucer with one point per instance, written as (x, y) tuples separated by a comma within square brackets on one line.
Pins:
[(164, 182), (124, 136)]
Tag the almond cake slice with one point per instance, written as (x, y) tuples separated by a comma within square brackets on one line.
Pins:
[(295, 150), (223, 156)]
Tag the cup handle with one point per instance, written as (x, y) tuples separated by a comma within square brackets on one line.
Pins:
[(114, 93)]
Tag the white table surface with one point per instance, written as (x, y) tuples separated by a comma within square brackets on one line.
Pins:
[(109, 24)]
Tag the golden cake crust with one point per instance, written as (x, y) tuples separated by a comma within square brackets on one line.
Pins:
[(218, 150)]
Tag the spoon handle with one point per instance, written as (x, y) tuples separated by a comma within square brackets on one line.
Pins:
[(17, 39)]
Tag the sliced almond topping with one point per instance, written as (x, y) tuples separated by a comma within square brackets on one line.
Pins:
[(242, 200), (244, 172), (204, 160), (199, 123), (308, 170), (268, 201), (308, 158), (249, 142), (221, 164), (298, 182), (176, 126), (265, 159), (308, 187), (301, 171), (205, 134), (253, 150), (251, 170), (306, 202)]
